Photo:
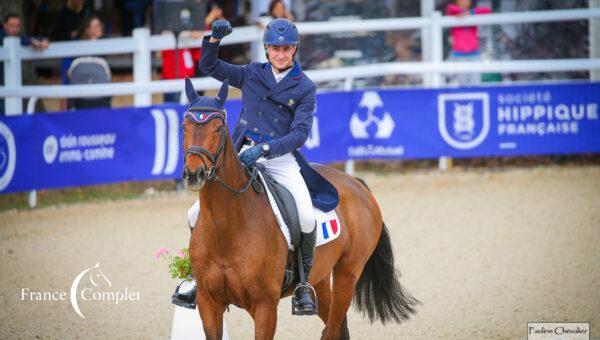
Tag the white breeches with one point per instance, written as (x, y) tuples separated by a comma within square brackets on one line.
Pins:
[(286, 171)]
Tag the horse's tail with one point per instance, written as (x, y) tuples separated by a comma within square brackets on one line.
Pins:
[(378, 291)]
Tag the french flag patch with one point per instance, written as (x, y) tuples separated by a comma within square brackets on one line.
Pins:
[(328, 226), (330, 229)]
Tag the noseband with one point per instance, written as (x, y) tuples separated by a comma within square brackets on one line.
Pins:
[(197, 150)]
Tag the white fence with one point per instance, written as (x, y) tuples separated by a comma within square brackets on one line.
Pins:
[(142, 44)]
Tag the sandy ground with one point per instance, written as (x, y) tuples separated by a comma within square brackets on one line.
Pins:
[(485, 252)]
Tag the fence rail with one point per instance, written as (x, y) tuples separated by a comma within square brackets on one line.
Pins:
[(142, 44)]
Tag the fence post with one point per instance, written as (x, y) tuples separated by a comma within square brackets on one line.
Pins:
[(427, 8), (594, 36), (12, 75), (349, 165), (437, 80), (142, 67)]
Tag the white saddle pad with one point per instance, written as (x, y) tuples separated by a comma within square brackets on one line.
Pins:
[(328, 224)]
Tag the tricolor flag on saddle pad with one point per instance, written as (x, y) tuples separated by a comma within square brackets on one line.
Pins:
[(328, 226)]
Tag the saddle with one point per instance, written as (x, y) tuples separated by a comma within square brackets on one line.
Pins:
[(286, 214), (287, 206)]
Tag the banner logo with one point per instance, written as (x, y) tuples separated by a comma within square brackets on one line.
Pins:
[(166, 132), (464, 118), (385, 125), (50, 149), (8, 156)]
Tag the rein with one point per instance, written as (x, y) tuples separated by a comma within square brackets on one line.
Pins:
[(214, 157)]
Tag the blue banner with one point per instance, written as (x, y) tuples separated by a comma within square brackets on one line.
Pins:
[(461, 122), (55, 150)]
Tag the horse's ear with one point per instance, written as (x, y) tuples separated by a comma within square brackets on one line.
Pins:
[(222, 95), (189, 91)]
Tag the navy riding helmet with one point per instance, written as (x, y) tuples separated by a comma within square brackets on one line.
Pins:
[(281, 32)]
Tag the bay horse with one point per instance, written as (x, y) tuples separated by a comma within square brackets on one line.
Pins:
[(238, 252)]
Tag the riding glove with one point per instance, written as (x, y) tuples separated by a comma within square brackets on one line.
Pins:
[(251, 155), (221, 28)]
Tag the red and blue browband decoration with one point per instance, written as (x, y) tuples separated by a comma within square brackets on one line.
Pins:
[(203, 115)]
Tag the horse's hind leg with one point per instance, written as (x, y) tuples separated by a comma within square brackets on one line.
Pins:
[(344, 282)]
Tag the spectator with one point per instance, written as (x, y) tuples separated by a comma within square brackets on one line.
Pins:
[(133, 14), (68, 20), (12, 28), (188, 57), (277, 10), (465, 41), (89, 70)]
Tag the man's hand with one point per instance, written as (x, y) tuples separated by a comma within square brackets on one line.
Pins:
[(220, 29), (251, 155)]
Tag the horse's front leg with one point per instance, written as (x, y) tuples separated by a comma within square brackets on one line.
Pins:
[(265, 319), (211, 313)]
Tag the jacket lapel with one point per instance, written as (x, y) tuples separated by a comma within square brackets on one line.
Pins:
[(267, 76), (288, 81)]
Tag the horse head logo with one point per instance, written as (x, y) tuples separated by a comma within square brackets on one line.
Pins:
[(97, 279), (385, 125)]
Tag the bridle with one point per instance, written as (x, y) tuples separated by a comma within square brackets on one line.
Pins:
[(213, 157)]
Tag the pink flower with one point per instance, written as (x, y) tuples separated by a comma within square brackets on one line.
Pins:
[(181, 254), (162, 251)]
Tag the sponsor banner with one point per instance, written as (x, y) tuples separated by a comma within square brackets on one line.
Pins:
[(461, 122), (66, 149), (112, 145)]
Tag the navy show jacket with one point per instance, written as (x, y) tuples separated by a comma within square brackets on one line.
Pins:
[(278, 113)]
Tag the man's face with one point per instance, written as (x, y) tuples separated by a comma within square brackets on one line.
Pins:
[(281, 56), (13, 26)]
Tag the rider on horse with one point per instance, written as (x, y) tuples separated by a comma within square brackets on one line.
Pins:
[(277, 116)]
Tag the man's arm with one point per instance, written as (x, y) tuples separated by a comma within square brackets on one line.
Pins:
[(209, 62)]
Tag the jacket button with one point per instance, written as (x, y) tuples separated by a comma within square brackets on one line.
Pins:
[(264, 98), (260, 113), (280, 106), (255, 129), (272, 134), (276, 120)]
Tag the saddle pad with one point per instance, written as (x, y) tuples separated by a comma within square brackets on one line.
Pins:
[(328, 224)]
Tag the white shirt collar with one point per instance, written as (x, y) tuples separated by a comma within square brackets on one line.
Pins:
[(280, 75)]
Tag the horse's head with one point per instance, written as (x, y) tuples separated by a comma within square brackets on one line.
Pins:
[(204, 135)]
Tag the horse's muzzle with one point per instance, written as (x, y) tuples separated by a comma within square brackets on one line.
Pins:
[(194, 180)]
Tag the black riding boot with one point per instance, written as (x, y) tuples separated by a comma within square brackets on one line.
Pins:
[(186, 299), (305, 303)]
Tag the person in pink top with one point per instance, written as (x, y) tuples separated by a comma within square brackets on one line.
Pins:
[(465, 42)]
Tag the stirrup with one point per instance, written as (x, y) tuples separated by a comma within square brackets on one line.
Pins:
[(296, 310), (177, 298)]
